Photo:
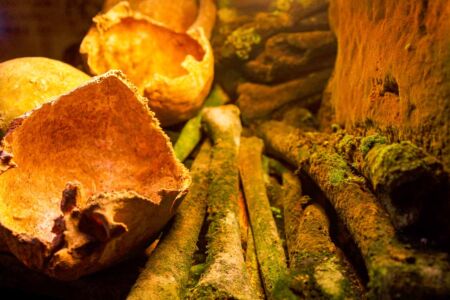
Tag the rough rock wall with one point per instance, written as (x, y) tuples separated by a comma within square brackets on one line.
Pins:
[(393, 70)]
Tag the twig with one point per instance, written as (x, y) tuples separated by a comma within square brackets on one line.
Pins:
[(225, 275), (191, 134), (167, 270), (269, 249)]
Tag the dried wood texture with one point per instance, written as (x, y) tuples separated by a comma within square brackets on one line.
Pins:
[(225, 276), (93, 177), (394, 268), (268, 245), (289, 55), (403, 176), (259, 100), (166, 273), (319, 269)]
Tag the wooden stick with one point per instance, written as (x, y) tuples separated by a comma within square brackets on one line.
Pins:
[(251, 261), (259, 100), (393, 267), (225, 275), (191, 134), (289, 55), (167, 270), (317, 266), (319, 269), (269, 249), (402, 175)]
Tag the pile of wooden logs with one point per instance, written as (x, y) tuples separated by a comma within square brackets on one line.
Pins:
[(286, 54), (278, 209)]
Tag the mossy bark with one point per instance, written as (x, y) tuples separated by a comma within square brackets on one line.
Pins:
[(319, 269), (245, 39), (242, 41), (292, 207), (274, 192), (269, 249), (394, 268), (225, 275), (243, 220), (317, 266), (191, 134), (402, 175), (290, 199), (167, 270), (251, 262)]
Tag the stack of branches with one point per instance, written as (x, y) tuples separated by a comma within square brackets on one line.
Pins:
[(255, 242), (278, 210), (331, 220), (283, 50), (252, 228)]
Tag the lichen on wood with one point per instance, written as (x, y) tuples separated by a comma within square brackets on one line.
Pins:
[(225, 275), (291, 203), (251, 262), (393, 266), (318, 268), (269, 249), (167, 270), (191, 133), (402, 175)]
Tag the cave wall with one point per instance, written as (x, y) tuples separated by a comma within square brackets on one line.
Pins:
[(393, 70)]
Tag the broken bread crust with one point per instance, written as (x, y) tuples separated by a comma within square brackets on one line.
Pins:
[(174, 70), (92, 177)]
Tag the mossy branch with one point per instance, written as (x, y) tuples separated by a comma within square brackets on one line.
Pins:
[(402, 175), (269, 249), (167, 270), (316, 265), (393, 267), (191, 134), (225, 275)]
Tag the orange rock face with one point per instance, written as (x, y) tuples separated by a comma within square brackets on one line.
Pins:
[(393, 69), (87, 179)]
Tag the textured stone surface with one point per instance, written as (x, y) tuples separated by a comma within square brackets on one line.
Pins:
[(392, 70)]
